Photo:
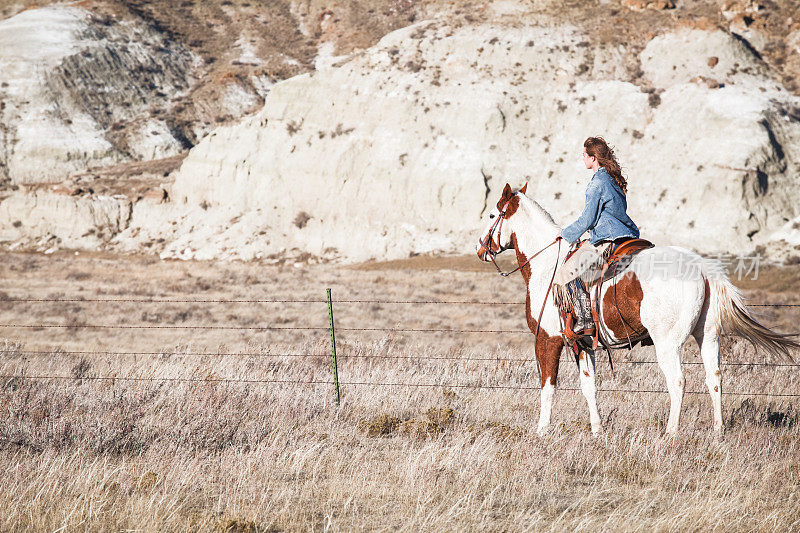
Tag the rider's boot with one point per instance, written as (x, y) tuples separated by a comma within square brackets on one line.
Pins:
[(584, 324)]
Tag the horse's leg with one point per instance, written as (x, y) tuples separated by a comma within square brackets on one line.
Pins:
[(668, 336), (586, 367), (547, 395), (669, 359), (708, 340), (669, 311), (548, 350)]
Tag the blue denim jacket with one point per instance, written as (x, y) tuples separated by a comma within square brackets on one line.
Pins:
[(604, 213)]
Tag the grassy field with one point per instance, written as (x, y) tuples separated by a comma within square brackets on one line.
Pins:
[(155, 455)]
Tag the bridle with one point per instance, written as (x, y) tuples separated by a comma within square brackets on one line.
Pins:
[(489, 239)]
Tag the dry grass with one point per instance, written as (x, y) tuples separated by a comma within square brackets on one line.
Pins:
[(174, 456)]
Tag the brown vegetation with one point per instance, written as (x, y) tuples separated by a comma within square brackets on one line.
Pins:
[(158, 455)]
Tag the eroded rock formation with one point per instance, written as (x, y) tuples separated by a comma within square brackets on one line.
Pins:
[(399, 149)]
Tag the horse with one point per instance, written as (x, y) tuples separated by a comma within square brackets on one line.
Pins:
[(671, 291)]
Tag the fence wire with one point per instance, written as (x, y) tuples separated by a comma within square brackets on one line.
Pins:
[(23, 377), (293, 301), (254, 328), (345, 356)]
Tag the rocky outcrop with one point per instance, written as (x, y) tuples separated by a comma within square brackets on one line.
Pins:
[(47, 220), (81, 90), (401, 149), (86, 211)]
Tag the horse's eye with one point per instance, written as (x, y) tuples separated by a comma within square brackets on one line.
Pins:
[(491, 216)]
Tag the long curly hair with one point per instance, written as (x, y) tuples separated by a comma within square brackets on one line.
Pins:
[(597, 147)]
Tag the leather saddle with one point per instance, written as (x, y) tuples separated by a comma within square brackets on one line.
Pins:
[(622, 255), (614, 261)]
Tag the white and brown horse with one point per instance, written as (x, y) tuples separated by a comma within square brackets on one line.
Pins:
[(671, 291)]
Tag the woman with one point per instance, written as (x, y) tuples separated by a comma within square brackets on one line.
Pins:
[(606, 218)]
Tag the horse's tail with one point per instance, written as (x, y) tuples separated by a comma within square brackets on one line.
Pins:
[(731, 316)]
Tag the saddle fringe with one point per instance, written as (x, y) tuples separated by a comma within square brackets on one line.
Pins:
[(561, 295), (595, 268)]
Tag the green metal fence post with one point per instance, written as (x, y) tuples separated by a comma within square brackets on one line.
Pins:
[(333, 347)]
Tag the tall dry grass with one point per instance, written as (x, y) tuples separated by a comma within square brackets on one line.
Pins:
[(83, 454)]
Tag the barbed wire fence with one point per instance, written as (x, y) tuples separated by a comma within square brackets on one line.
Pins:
[(334, 381)]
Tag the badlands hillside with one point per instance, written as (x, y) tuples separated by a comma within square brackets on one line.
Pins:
[(380, 129)]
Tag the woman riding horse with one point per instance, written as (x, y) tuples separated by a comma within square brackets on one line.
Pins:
[(688, 295), (604, 214)]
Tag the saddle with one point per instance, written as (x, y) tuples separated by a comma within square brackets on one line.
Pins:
[(614, 259)]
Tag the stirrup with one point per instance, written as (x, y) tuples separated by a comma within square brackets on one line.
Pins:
[(574, 336), (570, 335)]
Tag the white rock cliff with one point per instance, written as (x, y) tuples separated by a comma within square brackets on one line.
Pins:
[(70, 79), (401, 148)]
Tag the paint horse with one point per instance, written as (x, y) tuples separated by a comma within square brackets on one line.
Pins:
[(670, 291)]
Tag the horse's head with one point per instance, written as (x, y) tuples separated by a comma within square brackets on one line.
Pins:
[(496, 238)]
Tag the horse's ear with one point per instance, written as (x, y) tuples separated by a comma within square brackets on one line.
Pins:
[(524, 188), (506, 192)]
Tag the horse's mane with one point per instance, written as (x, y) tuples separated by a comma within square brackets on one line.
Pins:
[(536, 207)]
